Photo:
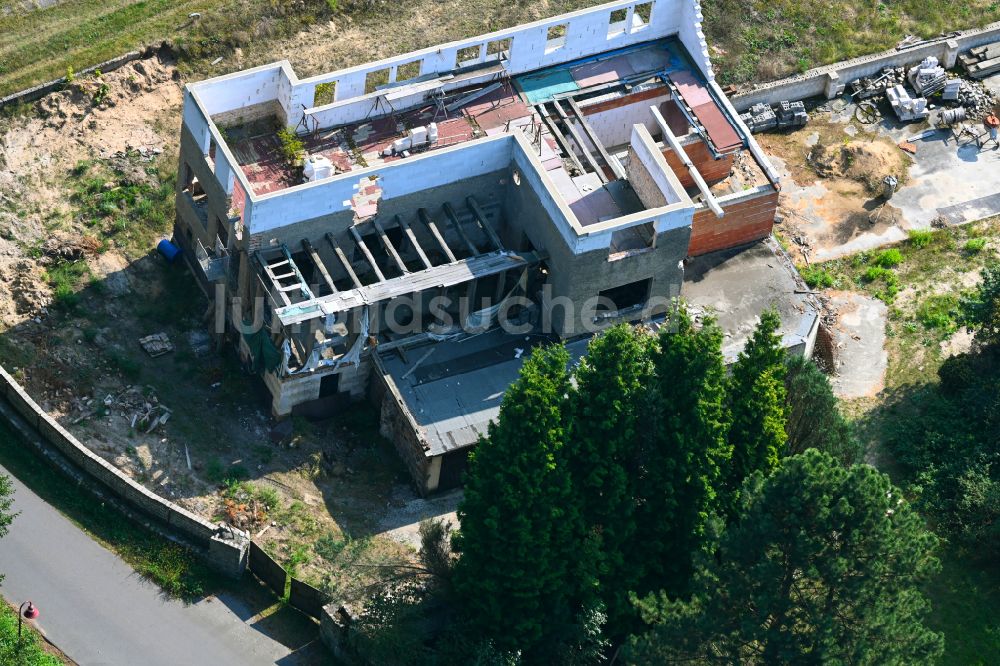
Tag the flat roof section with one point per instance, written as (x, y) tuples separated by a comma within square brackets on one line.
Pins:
[(455, 391), (737, 285)]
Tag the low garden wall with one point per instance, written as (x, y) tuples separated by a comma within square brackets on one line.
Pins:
[(828, 81), (223, 548)]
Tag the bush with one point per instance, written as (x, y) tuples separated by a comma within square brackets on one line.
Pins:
[(921, 237), (974, 245), (291, 146), (889, 258), (938, 312), (818, 278)]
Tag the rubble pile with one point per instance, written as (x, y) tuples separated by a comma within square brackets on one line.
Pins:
[(867, 87), (136, 404), (977, 100)]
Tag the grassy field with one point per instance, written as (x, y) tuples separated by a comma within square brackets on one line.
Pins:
[(40, 45), (29, 650), (759, 40), (752, 41)]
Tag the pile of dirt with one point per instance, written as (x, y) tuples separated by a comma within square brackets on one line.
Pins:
[(90, 92), (24, 292), (867, 162)]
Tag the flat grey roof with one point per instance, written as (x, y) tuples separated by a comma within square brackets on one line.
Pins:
[(455, 392), (737, 285)]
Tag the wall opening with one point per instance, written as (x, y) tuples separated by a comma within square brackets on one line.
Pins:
[(324, 93), (617, 300), (642, 15), (626, 242), (616, 22), (329, 385), (467, 55), (373, 80), (408, 70), (556, 37), (498, 49)]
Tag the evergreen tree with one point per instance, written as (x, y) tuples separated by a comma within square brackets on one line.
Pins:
[(756, 401), (813, 418), (608, 418), (522, 578), (824, 566), (980, 312), (684, 446)]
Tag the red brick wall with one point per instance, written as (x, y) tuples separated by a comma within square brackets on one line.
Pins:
[(744, 222), (711, 169)]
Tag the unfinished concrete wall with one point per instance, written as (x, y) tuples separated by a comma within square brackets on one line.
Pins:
[(585, 32), (581, 276), (749, 217), (398, 426)]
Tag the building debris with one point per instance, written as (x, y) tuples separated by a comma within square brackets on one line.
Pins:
[(867, 87), (981, 61), (908, 147), (156, 344)]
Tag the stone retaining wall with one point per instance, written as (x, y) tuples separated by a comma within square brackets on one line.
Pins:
[(828, 81), (223, 549)]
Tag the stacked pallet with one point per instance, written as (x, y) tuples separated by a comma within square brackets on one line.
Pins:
[(982, 61)]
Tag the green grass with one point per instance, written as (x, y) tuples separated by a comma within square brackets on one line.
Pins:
[(767, 39), (818, 277), (974, 245), (26, 652), (126, 214), (171, 566), (45, 44), (921, 237), (65, 278), (938, 311)]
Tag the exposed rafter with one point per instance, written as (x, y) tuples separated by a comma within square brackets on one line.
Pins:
[(429, 223)]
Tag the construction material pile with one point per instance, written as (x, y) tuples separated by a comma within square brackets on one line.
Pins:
[(867, 86), (976, 98), (763, 117), (928, 77), (981, 61), (907, 108)]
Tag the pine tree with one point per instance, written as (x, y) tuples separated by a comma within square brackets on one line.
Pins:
[(522, 578), (813, 418), (602, 453), (756, 400), (824, 565), (683, 448)]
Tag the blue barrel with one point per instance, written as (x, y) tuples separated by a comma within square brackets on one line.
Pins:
[(169, 251)]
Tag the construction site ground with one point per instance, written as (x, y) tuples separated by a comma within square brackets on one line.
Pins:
[(86, 192), (827, 213)]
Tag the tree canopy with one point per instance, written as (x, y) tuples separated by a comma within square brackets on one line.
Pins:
[(823, 566)]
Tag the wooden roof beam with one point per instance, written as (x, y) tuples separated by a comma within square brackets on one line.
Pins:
[(318, 262), (426, 219), (343, 260), (481, 218), (368, 253), (405, 226), (450, 212)]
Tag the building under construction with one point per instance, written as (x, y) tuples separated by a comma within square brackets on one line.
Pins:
[(414, 226)]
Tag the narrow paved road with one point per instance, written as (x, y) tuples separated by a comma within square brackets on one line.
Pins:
[(101, 612)]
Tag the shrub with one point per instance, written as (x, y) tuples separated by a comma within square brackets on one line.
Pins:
[(889, 258), (921, 237), (874, 273), (818, 278), (291, 146), (938, 312), (974, 245)]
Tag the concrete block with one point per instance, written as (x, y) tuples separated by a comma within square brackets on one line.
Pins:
[(951, 51), (833, 86), (227, 553)]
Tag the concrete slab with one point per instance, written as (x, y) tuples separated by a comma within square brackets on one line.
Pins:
[(736, 286), (859, 344)]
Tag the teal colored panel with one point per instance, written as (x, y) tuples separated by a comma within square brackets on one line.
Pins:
[(542, 86)]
